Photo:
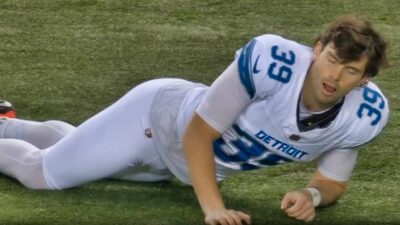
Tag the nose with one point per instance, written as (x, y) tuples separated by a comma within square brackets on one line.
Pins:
[(336, 72)]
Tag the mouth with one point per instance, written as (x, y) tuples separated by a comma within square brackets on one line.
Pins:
[(329, 89)]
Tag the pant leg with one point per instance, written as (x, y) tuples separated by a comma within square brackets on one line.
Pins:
[(108, 143), (40, 134), (150, 169), (22, 161)]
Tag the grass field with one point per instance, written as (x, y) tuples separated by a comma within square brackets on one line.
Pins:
[(67, 60)]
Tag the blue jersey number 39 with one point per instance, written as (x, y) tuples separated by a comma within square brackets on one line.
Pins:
[(284, 72), (371, 97)]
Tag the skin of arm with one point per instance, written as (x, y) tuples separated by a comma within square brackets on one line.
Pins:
[(198, 149), (331, 190), (298, 204)]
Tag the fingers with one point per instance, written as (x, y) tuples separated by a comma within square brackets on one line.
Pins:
[(286, 201), (244, 217), (306, 213), (298, 206), (227, 217), (235, 218), (291, 202), (308, 216)]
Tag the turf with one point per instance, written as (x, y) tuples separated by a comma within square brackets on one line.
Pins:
[(67, 60)]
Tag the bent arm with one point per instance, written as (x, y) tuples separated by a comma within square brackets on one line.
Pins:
[(197, 144), (198, 149)]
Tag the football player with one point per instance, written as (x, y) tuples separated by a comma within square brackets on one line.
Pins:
[(277, 102)]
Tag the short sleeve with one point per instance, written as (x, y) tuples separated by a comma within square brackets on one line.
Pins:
[(224, 100), (263, 64), (338, 164), (369, 117), (257, 73)]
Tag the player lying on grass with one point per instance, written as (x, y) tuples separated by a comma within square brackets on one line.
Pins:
[(277, 102)]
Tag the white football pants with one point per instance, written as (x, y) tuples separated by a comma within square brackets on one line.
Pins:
[(111, 144)]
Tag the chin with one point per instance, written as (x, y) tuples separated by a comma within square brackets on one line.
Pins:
[(327, 101)]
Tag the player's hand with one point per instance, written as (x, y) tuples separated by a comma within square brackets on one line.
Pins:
[(227, 217), (298, 204)]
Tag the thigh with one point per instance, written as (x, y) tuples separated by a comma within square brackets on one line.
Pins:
[(107, 143)]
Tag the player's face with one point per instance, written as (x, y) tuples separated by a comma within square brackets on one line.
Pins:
[(330, 79)]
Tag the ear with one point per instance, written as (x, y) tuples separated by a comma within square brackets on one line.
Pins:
[(317, 49), (363, 81)]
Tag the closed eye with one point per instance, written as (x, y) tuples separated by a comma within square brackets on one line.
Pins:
[(353, 71)]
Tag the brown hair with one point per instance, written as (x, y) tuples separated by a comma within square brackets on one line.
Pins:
[(354, 37)]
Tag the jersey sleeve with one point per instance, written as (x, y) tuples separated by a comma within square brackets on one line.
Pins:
[(338, 164), (224, 100), (369, 118), (261, 64), (257, 72)]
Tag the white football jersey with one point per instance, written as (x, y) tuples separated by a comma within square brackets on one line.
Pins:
[(266, 133), (254, 105)]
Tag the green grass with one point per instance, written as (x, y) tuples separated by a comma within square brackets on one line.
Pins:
[(67, 60)]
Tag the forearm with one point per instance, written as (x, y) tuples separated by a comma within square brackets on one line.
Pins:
[(330, 190), (202, 173), (200, 159)]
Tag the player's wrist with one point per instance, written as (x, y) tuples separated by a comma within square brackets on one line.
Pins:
[(212, 207), (315, 195)]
